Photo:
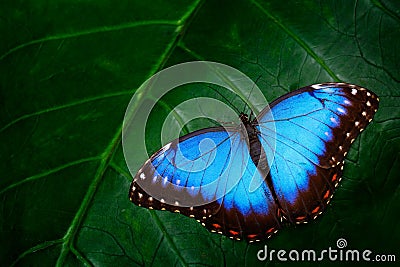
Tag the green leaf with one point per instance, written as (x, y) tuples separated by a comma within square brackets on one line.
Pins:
[(69, 69)]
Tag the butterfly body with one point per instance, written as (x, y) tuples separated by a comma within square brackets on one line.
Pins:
[(294, 152), (250, 134)]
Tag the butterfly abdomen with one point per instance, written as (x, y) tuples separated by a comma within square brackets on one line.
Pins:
[(250, 133)]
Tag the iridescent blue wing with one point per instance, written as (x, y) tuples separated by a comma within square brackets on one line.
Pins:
[(206, 175), (315, 127)]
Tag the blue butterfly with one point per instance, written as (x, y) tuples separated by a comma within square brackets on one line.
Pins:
[(248, 181)]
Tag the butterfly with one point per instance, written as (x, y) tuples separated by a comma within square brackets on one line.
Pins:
[(249, 181)]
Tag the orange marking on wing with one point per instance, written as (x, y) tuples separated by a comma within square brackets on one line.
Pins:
[(326, 194), (315, 210), (216, 226), (334, 177), (270, 230), (251, 236), (300, 218), (234, 233)]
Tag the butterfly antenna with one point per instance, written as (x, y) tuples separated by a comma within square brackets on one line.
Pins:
[(248, 97), (226, 99)]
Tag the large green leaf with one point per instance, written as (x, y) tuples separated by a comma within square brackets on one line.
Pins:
[(69, 69)]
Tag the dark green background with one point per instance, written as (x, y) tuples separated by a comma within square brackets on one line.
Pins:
[(69, 68)]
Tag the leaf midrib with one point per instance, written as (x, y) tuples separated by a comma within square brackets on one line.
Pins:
[(68, 244)]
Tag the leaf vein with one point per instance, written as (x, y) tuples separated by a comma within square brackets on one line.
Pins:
[(36, 248), (44, 174), (88, 32), (68, 105), (299, 41)]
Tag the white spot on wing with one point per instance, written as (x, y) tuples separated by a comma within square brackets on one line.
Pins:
[(142, 176), (353, 91), (341, 110), (317, 86)]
